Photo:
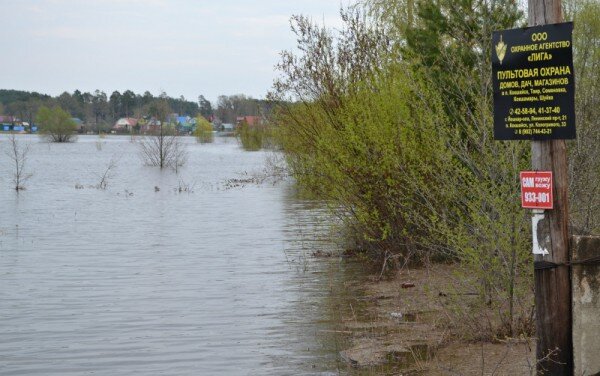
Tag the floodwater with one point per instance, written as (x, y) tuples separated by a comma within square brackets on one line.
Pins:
[(160, 273)]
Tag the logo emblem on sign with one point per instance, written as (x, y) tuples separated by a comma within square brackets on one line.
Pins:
[(501, 50)]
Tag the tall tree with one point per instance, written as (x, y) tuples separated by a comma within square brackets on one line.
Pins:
[(147, 98), (99, 107), (78, 97), (70, 104), (206, 109), (232, 106), (128, 102), (115, 104), (451, 35), (87, 97)]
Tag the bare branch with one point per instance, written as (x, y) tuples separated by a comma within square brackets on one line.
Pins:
[(18, 156)]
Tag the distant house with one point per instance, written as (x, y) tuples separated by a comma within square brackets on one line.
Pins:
[(12, 124), (251, 120), (185, 124), (227, 127), (172, 118), (6, 122), (125, 124), (22, 127), (6, 119), (149, 125), (79, 123)]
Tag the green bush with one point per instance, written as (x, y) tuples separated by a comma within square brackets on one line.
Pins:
[(252, 136), (372, 158), (397, 137), (402, 150), (56, 124), (204, 130)]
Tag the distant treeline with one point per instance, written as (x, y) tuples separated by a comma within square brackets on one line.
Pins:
[(101, 110)]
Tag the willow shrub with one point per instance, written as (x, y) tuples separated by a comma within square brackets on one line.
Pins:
[(374, 158), (379, 146), (56, 124), (407, 183), (204, 131), (253, 137)]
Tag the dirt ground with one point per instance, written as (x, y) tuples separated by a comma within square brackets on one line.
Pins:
[(405, 330)]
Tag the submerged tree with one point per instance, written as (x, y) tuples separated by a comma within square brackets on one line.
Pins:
[(252, 137), (56, 124), (18, 156), (162, 147), (107, 174), (204, 130)]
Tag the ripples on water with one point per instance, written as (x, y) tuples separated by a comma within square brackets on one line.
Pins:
[(128, 280)]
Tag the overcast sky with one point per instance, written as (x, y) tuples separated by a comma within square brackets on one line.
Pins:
[(184, 47)]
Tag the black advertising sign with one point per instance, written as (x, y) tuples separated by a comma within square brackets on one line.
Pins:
[(533, 80)]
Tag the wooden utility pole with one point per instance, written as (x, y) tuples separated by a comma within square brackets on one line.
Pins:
[(552, 285)]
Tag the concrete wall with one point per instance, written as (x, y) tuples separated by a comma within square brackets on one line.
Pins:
[(586, 306)]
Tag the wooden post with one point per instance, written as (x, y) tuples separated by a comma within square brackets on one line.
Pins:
[(552, 286)]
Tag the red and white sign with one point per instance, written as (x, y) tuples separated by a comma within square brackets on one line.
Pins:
[(536, 189)]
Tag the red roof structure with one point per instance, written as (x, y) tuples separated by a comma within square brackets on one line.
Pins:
[(251, 120), (125, 123)]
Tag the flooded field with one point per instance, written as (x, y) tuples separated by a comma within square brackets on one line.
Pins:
[(160, 273)]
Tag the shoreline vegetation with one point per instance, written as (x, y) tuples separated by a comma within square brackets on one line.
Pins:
[(388, 119)]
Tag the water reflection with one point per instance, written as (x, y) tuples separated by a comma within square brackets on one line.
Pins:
[(131, 280)]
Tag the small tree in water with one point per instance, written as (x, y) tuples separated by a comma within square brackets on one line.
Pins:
[(204, 130), (163, 148), (56, 124), (18, 156), (251, 136)]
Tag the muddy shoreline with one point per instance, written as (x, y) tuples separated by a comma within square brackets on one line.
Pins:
[(399, 325)]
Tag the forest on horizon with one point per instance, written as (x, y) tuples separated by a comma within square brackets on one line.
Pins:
[(101, 110)]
